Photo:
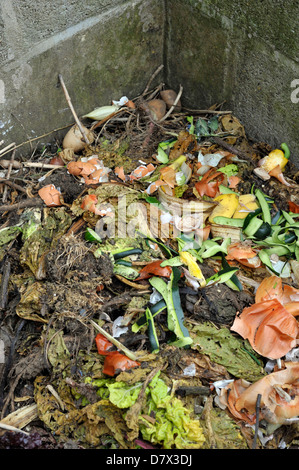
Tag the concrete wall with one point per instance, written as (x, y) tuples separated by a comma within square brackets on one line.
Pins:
[(245, 52), (103, 48)]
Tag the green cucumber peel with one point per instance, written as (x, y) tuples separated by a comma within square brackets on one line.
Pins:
[(264, 206), (155, 310), (220, 220), (91, 236), (253, 227), (175, 314), (251, 216), (122, 254), (263, 231), (152, 333), (222, 276), (225, 190)]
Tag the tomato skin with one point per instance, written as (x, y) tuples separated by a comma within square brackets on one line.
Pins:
[(104, 346), (116, 362), (154, 269)]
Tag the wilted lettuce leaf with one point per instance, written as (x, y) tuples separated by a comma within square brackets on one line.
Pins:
[(173, 426), (123, 395)]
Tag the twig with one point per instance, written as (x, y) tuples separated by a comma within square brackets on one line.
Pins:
[(114, 341), (7, 148), (13, 185), (4, 152), (257, 414), (4, 284), (68, 99), (34, 202), (206, 111), (16, 164), (232, 149), (10, 166), (151, 79)]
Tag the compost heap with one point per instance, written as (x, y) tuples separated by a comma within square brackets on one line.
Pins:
[(149, 285)]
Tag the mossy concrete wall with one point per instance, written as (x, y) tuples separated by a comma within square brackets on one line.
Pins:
[(245, 52), (104, 49)]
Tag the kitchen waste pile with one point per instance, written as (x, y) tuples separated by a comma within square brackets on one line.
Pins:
[(150, 283)]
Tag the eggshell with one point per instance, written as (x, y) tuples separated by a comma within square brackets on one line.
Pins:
[(50, 195), (74, 139)]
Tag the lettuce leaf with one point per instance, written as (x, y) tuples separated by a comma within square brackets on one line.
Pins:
[(123, 395)]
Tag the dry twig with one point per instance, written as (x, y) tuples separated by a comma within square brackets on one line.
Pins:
[(68, 99)]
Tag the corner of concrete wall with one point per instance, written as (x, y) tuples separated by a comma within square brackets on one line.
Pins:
[(246, 53), (104, 49)]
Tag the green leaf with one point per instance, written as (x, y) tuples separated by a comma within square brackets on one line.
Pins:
[(211, 247), (173, 427), (227, 350), (190, 119), (162, 155), (9, 233), (123, 395), (213, 124), (201, 128), (229, 170), (175, 261), (125, 271), (152, 334), (223, 275)]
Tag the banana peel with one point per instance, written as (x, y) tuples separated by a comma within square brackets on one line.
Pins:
[(228, 204), (247, 203)]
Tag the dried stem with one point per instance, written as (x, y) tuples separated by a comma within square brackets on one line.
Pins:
[(16, 164), (151, 79), (10, 166), (68, 99), (7, 148), (33, 202), (114, 341)]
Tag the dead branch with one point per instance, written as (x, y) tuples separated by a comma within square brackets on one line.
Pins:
[(18, 165), (34, 202)]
